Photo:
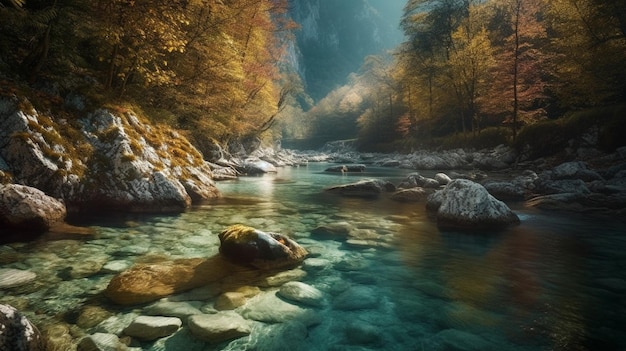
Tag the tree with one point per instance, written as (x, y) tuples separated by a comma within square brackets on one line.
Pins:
[(523, 63), (591, 43)]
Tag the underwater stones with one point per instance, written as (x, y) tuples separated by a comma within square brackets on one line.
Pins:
[(233, 299), (366, 188), (356, 298), (466, 205), (17, 333), (246, 245), (90, 316), (269, 308), (153, 327), (10, 277), (149, 282), (100, 342), (334, 231), (27, 208), (315, 264), (222, 326), (301, 293), (361, 333), (180, 309), (281, 278), (115, 266)]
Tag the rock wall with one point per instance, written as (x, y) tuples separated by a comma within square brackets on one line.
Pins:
[(103, 161)]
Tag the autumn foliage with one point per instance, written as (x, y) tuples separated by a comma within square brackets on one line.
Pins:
[(210, 67), (468, 65)]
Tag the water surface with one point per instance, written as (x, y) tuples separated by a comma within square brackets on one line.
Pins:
[(555, 282)]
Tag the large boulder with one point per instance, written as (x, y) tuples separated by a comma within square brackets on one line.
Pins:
[(366, 188), (17, 333), (467, 205), (33, 150), (141, 168), (250, 246), (149, 282), (26, 208), (105, 160)]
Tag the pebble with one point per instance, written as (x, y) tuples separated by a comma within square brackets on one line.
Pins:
[(10, 277)]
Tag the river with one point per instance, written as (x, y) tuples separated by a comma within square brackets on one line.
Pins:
[(555, 282)]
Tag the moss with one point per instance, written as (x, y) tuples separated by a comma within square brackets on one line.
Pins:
[(238, 233)]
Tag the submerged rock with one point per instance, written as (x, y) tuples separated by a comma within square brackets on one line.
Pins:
[(222, 326), (10, 277), (466, 205), (153, 327), (269, 308), (250, 246), (149, 282), (301, 293)]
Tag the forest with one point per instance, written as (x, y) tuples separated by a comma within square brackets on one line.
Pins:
[(482, 73), (470, 72)]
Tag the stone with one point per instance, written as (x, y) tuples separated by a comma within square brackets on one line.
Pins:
[(315, 264), (301, 293), (249, 246), (149, 282), (442, 178), (180, 309), (417, 194), (335, 231), (574, 170), (90, 316), (505, 190), (366, 188), (356, 298), (100, 342), (281, 278), (346, 168), (269, 308), (230, 300), (415, 180), (30, 209), (361, 333), (465, 205), (153, 327), (17, 333), (256, 166), (10, 277), (219, 327)]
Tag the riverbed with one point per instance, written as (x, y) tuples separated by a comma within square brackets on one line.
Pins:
[(555, 282)]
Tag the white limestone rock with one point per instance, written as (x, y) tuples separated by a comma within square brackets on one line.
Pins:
[(302, 293), (153, 327), (218, 327), (464, 205)]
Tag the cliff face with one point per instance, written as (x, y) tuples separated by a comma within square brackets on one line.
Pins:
[(103, 161), (335, 36)]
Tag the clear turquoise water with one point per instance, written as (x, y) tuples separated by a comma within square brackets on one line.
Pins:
[(556, 282)]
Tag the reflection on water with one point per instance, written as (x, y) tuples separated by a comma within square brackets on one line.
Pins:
[(553, 283)]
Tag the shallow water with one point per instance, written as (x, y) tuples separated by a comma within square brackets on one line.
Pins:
[(555, 282)]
